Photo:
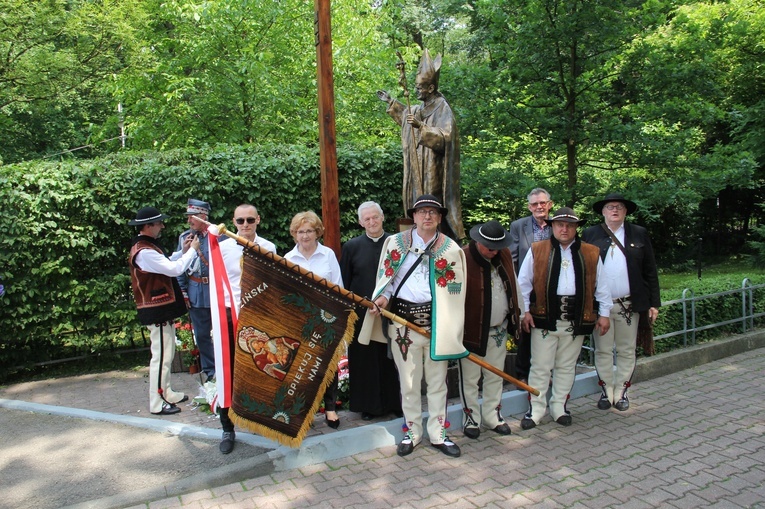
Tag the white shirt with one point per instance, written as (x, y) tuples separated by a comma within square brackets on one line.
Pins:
[(417, 286), (149, 260), (566, 280), (615, 268), (322, 262), (265, 244), (231, 252)]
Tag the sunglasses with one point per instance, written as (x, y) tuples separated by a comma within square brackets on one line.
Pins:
[(241, 220)]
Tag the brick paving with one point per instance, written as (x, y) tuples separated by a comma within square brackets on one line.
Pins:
[(689, 441), (692, 439)]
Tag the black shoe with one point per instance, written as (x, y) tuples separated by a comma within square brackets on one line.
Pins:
[(167, 409), (366, 416), (332, 424), (503, 429), (527, 423), (449, 448), (227, 442), (564, 420), (623, 404), (182, 400), (405, 447), (471, 432), (603, 403)]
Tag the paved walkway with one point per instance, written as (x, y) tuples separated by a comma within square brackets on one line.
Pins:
[(692, 439)]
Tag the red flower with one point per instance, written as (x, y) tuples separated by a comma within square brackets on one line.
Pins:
[(449, 275), (441, 264), (395, 255), (388, 272), (441, 282), (386, 263)]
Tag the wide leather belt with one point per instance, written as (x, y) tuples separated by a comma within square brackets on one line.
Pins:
[(418, 314), (202, 280), (566, 305)]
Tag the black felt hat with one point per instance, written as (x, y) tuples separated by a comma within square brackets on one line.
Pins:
[(491, 234), (598, 205), (147, 215)]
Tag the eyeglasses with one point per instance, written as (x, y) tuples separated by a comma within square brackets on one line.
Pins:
[(615, 207), (305, 232), (241, 220), (539, 204), (428, 212)]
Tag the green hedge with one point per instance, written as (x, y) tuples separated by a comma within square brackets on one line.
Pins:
[(708, 311), (65, 238)]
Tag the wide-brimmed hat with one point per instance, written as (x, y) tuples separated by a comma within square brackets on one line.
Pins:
[(197, 207), (565, 215), (427, 200), (147, 215), (598, 205), (491, 234)]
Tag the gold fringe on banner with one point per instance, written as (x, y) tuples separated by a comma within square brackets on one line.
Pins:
[(293, 330)]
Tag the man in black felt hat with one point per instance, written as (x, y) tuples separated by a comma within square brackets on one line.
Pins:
[(491, 313), (629, 268), (159, 301), (566, 299), (420, 277)]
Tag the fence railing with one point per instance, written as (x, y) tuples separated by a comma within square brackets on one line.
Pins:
[(688, 301)]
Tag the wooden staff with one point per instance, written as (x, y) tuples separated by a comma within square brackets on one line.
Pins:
[(416, 171), (221, 229)]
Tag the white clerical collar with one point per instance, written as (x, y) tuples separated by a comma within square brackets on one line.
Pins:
[(375, 239)]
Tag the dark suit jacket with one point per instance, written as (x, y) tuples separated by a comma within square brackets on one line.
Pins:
[(521, 238), (641, 264)]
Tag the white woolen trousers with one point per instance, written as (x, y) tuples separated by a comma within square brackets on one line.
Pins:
[(470, 373), (410, 373), (166, 347), (623, 337), (555, 352)]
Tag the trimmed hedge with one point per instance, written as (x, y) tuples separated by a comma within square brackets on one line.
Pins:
[(65, 238)]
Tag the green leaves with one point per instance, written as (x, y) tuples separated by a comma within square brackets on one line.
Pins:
[(64, 248)]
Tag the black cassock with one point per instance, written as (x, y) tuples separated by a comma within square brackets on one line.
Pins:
[(373, 378)]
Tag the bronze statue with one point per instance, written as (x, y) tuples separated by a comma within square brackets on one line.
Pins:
[(430, 143)]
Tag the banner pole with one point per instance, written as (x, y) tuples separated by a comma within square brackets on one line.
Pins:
[(222, 230)]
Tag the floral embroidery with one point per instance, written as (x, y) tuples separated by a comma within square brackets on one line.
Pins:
[(444, 272), (391, 263)]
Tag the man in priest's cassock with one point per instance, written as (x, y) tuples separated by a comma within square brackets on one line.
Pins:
[(373, 379)]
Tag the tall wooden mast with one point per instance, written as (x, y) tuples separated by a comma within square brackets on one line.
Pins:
[(330, 202)]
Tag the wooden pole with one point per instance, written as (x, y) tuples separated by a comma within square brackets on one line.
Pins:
[(330, 201)]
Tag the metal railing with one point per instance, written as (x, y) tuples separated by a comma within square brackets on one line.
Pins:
[(689, 300), (690, 328)]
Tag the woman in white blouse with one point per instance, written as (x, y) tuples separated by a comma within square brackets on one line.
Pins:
[(306, 228)]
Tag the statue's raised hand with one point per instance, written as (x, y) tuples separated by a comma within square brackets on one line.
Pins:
[(383, 96)]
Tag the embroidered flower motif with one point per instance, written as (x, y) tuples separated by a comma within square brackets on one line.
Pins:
[(444, 272), (391, 262)]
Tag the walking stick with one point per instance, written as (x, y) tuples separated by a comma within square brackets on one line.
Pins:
[(221, 230)]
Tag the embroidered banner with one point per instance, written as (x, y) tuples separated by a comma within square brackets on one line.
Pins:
[(292, 331)]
